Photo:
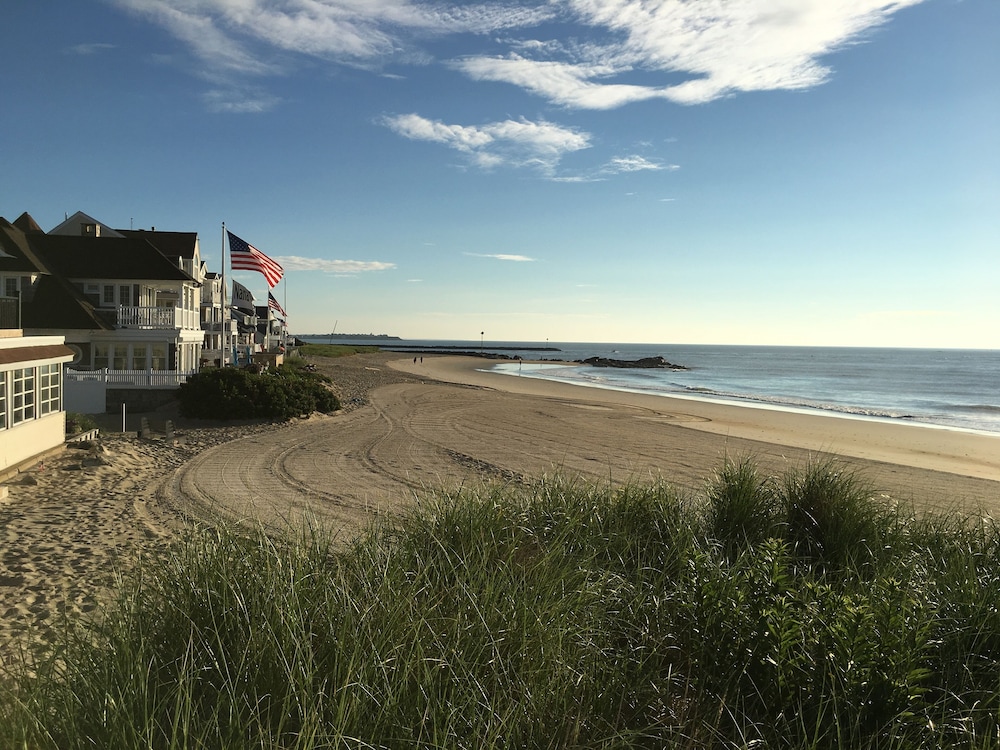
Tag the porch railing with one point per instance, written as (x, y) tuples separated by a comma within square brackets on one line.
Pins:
[(136, 378), (157, 317)]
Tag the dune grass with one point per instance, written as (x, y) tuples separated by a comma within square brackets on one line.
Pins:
[(334, 350), (802, 611)]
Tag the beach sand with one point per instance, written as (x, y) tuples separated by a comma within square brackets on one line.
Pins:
[(406, 429)]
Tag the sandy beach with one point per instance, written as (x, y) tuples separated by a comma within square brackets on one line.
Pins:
[(407, 428)]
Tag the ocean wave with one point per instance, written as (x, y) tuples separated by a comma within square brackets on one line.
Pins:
[(800, 403), (912, 407), (984, 408)]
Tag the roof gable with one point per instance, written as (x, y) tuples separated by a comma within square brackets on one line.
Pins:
[(58, 305), (74, 226), (25, 223), (16, 253)]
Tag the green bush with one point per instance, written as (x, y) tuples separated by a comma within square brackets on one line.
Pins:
[(76, 422), (233, 393)]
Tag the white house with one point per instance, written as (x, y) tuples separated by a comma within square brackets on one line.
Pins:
[(120, 303), (32, 420)]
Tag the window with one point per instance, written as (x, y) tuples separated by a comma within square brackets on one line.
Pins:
[(101, 356), (140, 357), (3, 400), (119, 357), (22, 395), (10, 286), (158, 359), (109, 295), (125, 295), (49, 388)]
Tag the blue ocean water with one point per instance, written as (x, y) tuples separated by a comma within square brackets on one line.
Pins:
[(953, 388)]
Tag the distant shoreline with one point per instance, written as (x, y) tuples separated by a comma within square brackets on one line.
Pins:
[(350, 336)]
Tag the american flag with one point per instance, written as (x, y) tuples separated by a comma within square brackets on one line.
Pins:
[(245, 257), (273, 304)]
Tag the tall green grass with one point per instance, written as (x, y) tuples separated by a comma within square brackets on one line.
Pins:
[(802, 611), (333, 350)]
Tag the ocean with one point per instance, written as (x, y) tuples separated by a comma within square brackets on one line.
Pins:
[(951, 388)]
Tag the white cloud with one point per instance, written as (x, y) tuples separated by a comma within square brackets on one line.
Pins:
[(238, 34), (636, 164), (298, 263), (504, 256), (622, 51), (200, 26), (723, 48), (563, 83), (518, 143)]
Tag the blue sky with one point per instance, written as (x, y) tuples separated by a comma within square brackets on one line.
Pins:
[(747, 172)]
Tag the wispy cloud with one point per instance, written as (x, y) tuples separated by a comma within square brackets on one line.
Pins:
[(622, 51), (298, 263), (239, 34), (516, 143), (90, 49), (571, 84), (504, 256), (239, 100), (636, 163), (719, 48)]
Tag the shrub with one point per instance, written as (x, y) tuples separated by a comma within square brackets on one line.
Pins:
[(232, 393), (79, 423)]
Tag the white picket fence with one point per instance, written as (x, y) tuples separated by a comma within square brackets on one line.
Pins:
[(133, 378)]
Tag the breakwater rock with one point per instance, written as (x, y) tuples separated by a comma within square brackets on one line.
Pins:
[(645, 362)]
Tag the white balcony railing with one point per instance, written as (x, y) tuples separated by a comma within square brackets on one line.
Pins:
[(135, 378), (157, 317)]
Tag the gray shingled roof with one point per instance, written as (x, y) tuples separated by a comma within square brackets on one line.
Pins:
[(171, 244), (106, 258), (58, 305), (18, 255), (25, 223)]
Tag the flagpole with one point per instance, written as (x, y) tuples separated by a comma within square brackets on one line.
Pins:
[(222, 339)]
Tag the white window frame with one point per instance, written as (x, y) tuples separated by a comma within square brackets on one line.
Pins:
[(23, 406), (49, 389), (3, 400)]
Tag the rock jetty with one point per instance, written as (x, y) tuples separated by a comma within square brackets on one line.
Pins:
[(643, 363)]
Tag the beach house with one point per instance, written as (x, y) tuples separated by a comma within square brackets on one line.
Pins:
[(32, 420), (129, 311)]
